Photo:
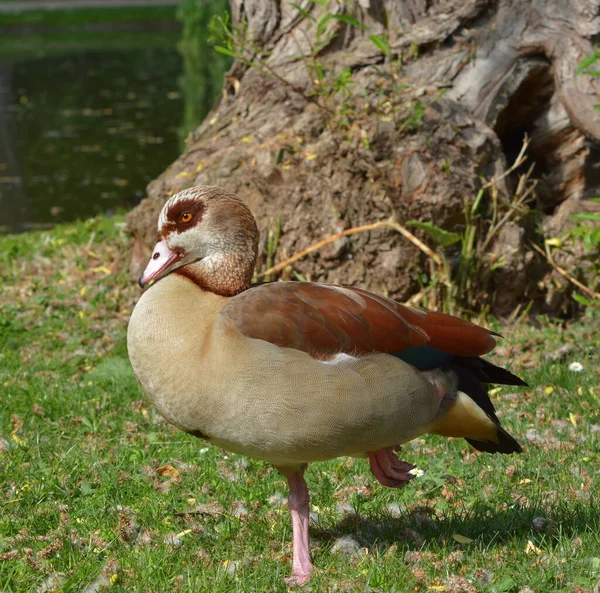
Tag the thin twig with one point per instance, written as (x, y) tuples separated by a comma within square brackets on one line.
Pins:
[(512, 207), (390, 223), (564, 273), (291, 85), (417, 242), (88, 245), (521, 158)]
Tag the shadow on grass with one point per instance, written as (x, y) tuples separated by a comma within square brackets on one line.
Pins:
[(423, 527)]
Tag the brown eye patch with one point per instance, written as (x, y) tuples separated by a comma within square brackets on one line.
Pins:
[(181, 216)]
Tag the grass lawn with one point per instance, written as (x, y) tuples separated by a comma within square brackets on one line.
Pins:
[(99, 493)]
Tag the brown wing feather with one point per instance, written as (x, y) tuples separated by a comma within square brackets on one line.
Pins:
[(446, 332), (325, 319)]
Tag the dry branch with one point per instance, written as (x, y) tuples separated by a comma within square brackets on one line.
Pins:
[(564, 273), (390, 223)]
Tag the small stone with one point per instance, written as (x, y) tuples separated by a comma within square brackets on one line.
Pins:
[(347, 546), (173, 539), (144, 538), (240, 511), (101, 583), (561, 352), (231, 566), (277, 499), (53, 583), (345, 510), (394, 510)]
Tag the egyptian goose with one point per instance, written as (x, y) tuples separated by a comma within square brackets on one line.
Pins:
[(291, 372)]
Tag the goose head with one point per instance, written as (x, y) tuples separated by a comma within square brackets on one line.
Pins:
[(208, 235)]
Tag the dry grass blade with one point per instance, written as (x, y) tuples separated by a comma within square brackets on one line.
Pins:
[(564, 273), (521, 158), (390, 223)]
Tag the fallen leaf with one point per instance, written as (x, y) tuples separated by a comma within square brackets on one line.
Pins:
[(531, 548), (102, 269), (461, 539), (554, 242), (168, 470), (184, 532)]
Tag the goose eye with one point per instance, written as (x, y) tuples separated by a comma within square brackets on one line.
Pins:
[(186, 217)]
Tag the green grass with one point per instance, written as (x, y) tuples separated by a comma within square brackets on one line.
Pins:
[(97, 490)]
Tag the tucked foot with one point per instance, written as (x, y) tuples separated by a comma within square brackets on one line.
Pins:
[(388, 469)]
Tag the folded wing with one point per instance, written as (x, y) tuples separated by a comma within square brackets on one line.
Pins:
[(324, 320)]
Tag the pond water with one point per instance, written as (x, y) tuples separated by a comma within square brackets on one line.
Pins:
[(86, 121)]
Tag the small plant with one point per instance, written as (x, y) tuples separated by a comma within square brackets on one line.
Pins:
[(460, 279), (586, 65), (271, 246), (586, 233), (330, 89)]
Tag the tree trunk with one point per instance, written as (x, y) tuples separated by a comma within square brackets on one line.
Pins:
[(435, 104)]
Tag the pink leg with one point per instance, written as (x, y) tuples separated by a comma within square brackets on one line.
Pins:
[(388, 469), (298, 503)]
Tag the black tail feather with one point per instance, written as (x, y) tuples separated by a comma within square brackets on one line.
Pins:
[(488, 372), (473, 373), (506, 444)]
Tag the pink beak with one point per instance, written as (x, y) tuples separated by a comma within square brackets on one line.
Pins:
[(160, 262)]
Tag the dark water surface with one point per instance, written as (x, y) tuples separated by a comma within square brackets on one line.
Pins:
[(85, 124)]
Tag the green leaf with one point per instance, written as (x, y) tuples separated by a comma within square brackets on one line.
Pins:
[(320, 72), (225, 51), (476, 203), (505, 585), (439, 235), (576, 231), (581, 299), (321, 25), (344, 18), (349, 20), (587, 216), (305, 14), (461, 539), (380, 43), (593, 562), (586, 63)]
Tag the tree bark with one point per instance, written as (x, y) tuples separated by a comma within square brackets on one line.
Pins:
[(412, 135)]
